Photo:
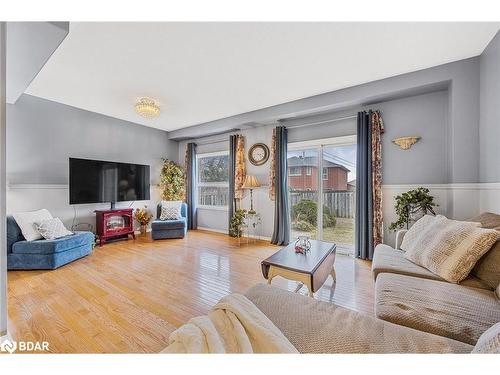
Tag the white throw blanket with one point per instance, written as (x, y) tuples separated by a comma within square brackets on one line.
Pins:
[(235, 325)]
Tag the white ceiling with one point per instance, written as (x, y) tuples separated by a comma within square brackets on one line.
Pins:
[(206, 71)]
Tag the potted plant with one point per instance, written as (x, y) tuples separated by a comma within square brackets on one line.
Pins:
[(172, 181), (409, 204), (237, 221), (143, 217)]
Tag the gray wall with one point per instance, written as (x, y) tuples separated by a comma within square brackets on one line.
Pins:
[(489, 127), (461, 78), (428, 161), (425, 115), (3, 242), (29, 46), (42, 135)]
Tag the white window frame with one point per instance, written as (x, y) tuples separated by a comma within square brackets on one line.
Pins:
[(325, 175), (212, 184), (309, 171), (295, 174)]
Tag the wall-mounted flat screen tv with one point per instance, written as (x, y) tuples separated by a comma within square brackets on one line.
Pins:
[(97, 181)]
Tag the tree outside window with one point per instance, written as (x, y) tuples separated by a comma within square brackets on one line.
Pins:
[(213, 179)]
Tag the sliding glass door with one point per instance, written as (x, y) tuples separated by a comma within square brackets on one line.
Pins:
[(303, 192), (321, 185)]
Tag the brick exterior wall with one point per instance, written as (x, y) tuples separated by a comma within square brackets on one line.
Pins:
[(337, 179)]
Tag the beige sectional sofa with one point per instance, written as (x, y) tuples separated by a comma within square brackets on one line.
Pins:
[(412, 296), (314, 326)]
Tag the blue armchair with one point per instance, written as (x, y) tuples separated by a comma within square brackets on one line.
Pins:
[(163, 229), (44, 254)]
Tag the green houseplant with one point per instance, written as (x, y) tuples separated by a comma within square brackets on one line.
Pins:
[(172, 181), (410, 203), (235, 226)]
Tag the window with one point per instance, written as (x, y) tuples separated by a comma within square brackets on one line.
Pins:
[(294, 171), (308, 171), (213, 179), (325, 173)]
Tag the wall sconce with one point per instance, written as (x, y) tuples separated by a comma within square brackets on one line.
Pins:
[(406, 142)]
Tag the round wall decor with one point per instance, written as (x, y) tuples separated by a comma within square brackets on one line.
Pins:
[(258, 154)]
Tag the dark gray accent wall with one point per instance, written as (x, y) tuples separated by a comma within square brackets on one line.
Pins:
[(489, 123), (461, 78), (42, 135)]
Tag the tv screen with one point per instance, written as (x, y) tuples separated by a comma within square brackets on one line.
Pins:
[(96, 181)]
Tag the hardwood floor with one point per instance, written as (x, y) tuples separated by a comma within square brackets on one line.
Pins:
[(129, 296)]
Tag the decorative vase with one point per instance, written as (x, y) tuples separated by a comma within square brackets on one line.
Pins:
[(143, 228), (302, 245)]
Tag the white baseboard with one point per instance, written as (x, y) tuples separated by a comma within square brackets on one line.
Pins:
[(225, 232), (212, 230), (139, 232)]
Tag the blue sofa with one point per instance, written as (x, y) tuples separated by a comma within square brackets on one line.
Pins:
[(44, 254), (163, 229)]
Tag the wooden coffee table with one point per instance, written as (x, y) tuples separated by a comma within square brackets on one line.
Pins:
[(310, 269)]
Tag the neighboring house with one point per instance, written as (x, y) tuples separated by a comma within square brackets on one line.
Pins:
[(351, 185), (303, 174)]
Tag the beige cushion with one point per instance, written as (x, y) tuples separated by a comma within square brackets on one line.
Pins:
[(390, 260), (488, 267), (474, 282), (489, 342), (445, 309), (416, 231), (318, 327), (451, 248)]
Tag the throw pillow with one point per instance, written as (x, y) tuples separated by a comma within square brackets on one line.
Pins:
[(52, 229), (487, 269), (451, 248), (170, 210), (416, 231), (489, 341), (26, 220)]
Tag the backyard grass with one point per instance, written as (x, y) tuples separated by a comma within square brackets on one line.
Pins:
[(342, 233)]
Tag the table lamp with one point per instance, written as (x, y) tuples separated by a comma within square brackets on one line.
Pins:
[(251, 183)]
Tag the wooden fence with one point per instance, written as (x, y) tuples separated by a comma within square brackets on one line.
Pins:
[(341, 203)]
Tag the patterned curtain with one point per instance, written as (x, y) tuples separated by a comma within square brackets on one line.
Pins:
[(272, 168), (377, 131), (240, 172), (191, 199)]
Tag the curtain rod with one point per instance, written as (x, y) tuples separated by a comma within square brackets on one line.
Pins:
[(289, 127), (322, 122), (216, 140), (212, 142)]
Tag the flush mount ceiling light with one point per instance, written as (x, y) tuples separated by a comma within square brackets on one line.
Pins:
[(147, 108)]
